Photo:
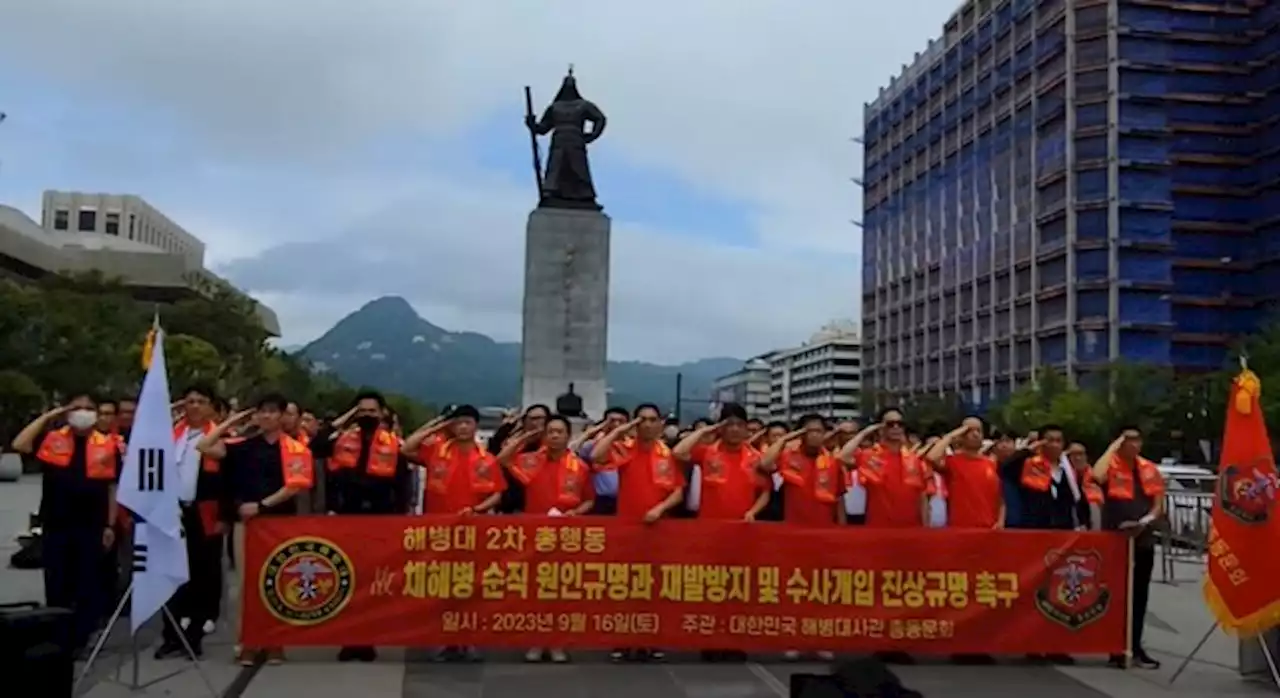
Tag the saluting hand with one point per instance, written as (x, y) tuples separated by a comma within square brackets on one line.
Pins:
[(241, 416), (794, 435), (344, 417)]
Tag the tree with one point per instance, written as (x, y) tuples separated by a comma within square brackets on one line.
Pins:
[(20, 400), (84, 332)]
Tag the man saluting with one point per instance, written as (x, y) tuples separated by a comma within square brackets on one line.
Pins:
[(366, 474)]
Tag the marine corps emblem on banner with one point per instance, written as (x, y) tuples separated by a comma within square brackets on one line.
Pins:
[(1247, 492), (306, 581), (1074, 595)]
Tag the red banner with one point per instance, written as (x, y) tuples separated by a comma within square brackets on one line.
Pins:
[(518, 581), (1241, 585)]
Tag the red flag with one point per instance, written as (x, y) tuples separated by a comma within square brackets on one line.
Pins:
[(1241, 587)]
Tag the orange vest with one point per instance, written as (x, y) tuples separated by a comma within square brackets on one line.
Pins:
[(207, 464), (1120, 479), (664, 471), (568, 482), (713, 470), (299, 467), (100, 456), (384, 453), (482, 469), (1037, 473), (1092, 491), (913, 470), (794, 471)]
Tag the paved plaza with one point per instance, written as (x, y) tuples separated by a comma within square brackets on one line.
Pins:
[(1177, 622)]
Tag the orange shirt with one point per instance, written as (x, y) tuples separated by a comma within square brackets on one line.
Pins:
[(802, 504), (894, 496), (641, 470), (463, 466), (973, 483), (731, 481), (542, 493)]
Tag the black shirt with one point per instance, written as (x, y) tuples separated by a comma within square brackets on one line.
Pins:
[(253, 470), (1117, 511), (68, 497), (1055, 508), (354, 490)]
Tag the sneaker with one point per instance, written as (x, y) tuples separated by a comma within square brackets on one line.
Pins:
[(275, 656), (533, 655), (368, 654), (246, 656), (656, 655), (347, 654), (791, 656), (1060, 659), (470, 654), (1116, 661), (208, 627), (827, 656), (1145, 661), (618, 655), (559, 656)]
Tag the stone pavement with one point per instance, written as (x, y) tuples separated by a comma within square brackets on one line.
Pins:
[(1177, 622)]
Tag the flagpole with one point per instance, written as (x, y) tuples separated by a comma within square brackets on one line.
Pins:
[(1128, 610)]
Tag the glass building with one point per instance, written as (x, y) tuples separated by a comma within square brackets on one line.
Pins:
[(1068, 183)]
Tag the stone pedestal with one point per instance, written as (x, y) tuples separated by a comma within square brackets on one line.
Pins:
[(566, 308)]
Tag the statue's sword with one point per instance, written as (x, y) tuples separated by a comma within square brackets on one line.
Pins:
[(533, 140)]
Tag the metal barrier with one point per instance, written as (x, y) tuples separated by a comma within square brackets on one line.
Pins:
[(1184, 536)]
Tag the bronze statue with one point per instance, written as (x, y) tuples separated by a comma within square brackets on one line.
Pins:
[(567, 181)]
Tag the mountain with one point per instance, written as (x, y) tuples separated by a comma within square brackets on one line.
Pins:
[(387, 345)]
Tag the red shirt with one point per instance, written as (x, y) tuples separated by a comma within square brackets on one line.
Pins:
[(638, 490), (459, 492), (973, 485), (542, 494), (801, 504), (731, 481), (892, 502)]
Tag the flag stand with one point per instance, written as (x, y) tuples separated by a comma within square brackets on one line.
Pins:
[(135, 684), (1262, 643)]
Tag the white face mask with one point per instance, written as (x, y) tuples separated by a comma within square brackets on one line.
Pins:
[(82, 419)]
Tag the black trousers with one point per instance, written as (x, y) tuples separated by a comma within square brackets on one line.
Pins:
[(200, 599), (73, 577), (606, 505), (1144, 563)]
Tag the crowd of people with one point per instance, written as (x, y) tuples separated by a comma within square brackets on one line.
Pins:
[(638, 465)]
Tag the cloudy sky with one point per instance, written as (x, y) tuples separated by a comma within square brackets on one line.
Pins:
[(330, 152)]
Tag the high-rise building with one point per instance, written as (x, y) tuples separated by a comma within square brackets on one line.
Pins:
[(1068, 183), (823, 376), (748, 386)]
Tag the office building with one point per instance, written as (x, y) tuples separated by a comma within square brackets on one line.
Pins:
[(748, 386), (822, 376), (121, 237), (1068, 183)]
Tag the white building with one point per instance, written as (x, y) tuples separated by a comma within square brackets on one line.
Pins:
[(120, 236), (748, 386), (822, 376)]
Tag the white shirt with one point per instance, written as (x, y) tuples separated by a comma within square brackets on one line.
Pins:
[(188, 458)]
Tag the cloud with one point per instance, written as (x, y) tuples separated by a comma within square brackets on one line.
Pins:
[(280, 121)]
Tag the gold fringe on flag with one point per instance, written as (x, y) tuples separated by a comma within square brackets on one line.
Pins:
[(148, 347)]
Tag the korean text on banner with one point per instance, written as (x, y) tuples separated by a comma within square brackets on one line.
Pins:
[(1241, 587), (586, 582)]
